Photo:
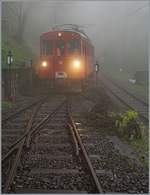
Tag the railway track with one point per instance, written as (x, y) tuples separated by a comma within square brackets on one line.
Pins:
[(58, 154), (116, 166), (21, 107), (16, 130), (50, 156), (126, 98), (15, 124)]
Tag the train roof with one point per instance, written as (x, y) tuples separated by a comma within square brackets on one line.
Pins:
[(69, 28)]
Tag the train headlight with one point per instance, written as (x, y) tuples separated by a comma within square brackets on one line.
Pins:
[(59, 34), (77, 64), (44, 64)]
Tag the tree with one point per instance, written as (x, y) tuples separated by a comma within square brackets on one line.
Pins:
[(17, 14)]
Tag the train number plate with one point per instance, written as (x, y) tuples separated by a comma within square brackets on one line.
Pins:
[(60, 75)]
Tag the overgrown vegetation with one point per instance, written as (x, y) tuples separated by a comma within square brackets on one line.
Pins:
[(141, 146), (6, 105), (125, 125), (134, 132), (20, 53)]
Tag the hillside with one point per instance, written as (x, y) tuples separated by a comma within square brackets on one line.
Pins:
[(20, 52)]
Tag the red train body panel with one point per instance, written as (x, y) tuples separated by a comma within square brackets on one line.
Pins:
[(67, 55)]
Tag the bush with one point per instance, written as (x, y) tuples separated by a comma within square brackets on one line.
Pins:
[(127, 125)]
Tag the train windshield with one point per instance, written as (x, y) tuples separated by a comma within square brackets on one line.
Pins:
[(60, 47), (73, 46), (47, 47)]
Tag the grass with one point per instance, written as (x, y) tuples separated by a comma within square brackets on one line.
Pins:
[(123, 77), (142, 149), (140, 146), (125, 131), (137, 139), (6, 105)]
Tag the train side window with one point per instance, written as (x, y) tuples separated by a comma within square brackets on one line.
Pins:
[(73, 46), (47, 47), (60, 47)]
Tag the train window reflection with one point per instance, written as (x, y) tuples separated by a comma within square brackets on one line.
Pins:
[(60, 47), (47, 47), (73, 46)]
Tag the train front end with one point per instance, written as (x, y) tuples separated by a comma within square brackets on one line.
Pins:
[(62, 62)]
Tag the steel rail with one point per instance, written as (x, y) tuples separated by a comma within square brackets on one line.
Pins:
[(14, 146), (34, 129), (74, 139), (17, 157), (49, 116), (21, 110), (29, 133), (88, 161), (17, 141), (22, 142), (71, 129), (126, 104), (126, 91)]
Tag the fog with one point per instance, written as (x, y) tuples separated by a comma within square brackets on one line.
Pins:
[(117, 29)]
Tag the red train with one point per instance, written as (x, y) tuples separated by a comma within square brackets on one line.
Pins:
[(66, 56)]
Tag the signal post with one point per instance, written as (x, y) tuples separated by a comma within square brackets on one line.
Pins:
[(96, 72)]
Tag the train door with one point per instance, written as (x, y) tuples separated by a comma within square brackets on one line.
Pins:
[(59, 70)]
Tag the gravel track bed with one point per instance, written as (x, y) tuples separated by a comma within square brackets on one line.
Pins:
[(40, 170), (46, 131), (55, 181), (60, 151), (17, 125), (45, 164), (18, 104), (7, 132), (119, 173), (56, 127), (20, 123), (36, 162), (51, 140), (9, 140), (52, 149)]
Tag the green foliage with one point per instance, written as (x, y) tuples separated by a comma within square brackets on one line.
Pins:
[(135, 133), (20, 52), (141, 146), (126, 119), (127, 125), (6, 105)]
